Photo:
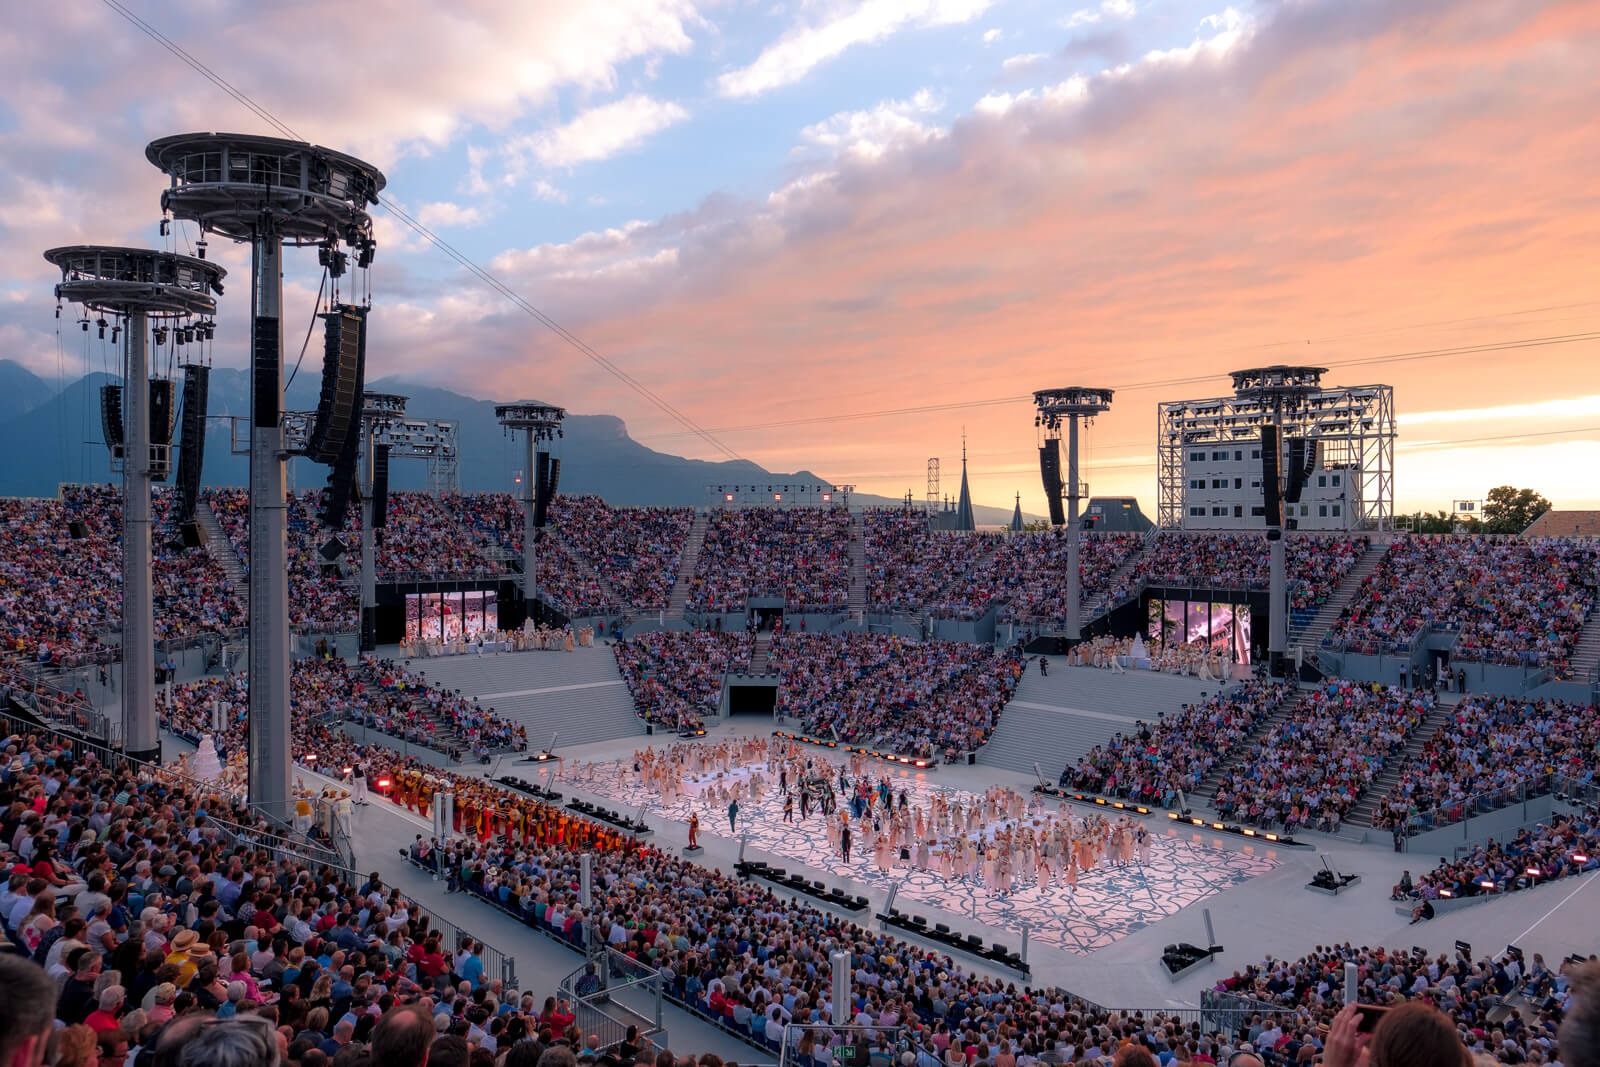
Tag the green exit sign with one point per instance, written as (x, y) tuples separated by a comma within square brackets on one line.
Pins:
[(845, 1052)]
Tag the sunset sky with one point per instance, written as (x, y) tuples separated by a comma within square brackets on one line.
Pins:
[(911, 212)]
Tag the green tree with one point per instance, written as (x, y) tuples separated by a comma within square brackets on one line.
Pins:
[(1509, 510)]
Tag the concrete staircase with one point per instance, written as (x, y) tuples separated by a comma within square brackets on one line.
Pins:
[(1311, 634), (1123, 575), (1053, 720), (1361, 814), (578, 694), (1207, 786), (761, 654), (221, 550), (857, 598), (692, 542), (1586, 654)]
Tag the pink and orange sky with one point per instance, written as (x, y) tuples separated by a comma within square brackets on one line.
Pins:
[(772, 215)]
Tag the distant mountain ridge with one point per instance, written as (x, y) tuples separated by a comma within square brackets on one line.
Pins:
[(58, 433)]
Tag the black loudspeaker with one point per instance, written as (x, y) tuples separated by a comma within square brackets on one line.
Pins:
[(192, 535), (338, 415), (342, 475), (1050, 471), (1302, 461), (331, 549), (111, 416), (541, 495), (163, 394), (192, 438), (380, 486), (1269, 475), (78, 530), (555, 477), (268, 369)]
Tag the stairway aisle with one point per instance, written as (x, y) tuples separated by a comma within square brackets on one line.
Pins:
[(1207, 786), (686, 565), (760, 654), (1586, 654), (221, 550), (857, 599), (1361, 814), (1310, 636), (1053, 720), (578, 694)]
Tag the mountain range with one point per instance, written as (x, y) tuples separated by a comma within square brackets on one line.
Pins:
[(53, 432)]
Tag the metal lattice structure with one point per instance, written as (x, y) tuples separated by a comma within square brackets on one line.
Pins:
[(933, 484), (1354, 427)]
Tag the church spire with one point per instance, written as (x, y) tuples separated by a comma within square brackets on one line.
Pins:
[(964, 520), (1016, 516)]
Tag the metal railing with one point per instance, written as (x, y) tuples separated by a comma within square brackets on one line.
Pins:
[(611, 993), (1492, 800)]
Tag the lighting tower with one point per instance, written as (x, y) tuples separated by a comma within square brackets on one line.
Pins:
[(1279, 390), (135, 286), (378, 413), (541, 423), (1055, 406), (269, 192)]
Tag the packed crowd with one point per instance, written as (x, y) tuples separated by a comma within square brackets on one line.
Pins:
[(1151, 765), (675, 676), (799, 554), (494, 522), (422, 539), (923, 698), (61, 596), (1313, 566), (140, 923), (909, 565), (1028, 570), (1512, 600), (1566, 846), (377, 694), (636, 550), (1307, 994), (1490, 751), (1314, 764), (320, 599)]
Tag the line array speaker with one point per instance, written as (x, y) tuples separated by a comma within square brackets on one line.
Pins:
[(541, 492), (380, 486), (1050, 471), (111, 416), (1302, 461), (338, 414), (163, 393), (192, 438), (1269, 475)]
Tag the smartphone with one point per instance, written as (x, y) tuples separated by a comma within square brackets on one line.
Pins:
[(1370, 1016)]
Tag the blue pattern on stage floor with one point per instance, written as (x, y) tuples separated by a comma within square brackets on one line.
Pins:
[(1109, 904)]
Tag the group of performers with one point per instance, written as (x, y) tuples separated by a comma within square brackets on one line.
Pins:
[(1002, 839), (1197, 658), (527, 639)]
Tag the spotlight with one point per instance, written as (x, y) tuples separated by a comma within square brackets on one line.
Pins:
[(84, 325), (116, 331), (200, 248), (101, 324)]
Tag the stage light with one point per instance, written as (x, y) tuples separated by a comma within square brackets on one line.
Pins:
[(1216, 826), (101, 323), (383, 783), (826, 497), (1197, 822), (727, 498), (1446, 893), (1486, 884), (1272, 837), (349, 770), (1534, 871), (1172, 815), (1249, 832), (1578, 857), (777, 497)]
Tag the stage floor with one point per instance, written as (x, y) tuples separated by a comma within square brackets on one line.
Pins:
[(1109, 903)]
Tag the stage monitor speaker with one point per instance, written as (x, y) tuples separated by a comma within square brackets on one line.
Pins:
[(541, 494), (111, 416), (1050, 472), (77, 530), (338, 416), (1269, 476), (192, 438), (380, 486)]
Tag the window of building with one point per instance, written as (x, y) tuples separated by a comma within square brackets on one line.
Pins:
[(1259, 512), (1197, 512), (1322, 481), (1336, 481), (1219, 483), (1255, 453), (1238, 511), (1197, 483), (1197, 457), (1238, 483), (1304, 510), (1322, 511), (1336, 511), (1219, 455), (1219, 512)]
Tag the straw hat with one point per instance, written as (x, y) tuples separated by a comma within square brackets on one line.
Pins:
[(184, 940)]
